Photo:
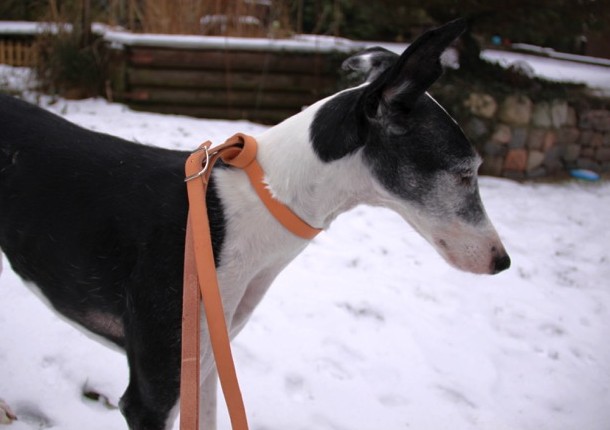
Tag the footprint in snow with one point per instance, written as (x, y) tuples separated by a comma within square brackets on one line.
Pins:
[(553, 330), (363, 310), (296, 390), (455, 396), (31, 414), (392, 400), (333, 369)]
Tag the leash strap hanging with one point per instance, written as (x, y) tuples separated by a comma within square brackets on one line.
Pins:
[(200, 280)]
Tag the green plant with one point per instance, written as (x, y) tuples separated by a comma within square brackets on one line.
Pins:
[(68, 67)]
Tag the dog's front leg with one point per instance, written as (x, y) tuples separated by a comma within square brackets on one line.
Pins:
[(6, 415), (154, 364), (207, 417)]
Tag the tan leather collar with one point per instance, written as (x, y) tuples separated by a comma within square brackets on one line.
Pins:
[(240, 151)]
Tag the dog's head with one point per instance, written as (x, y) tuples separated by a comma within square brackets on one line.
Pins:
[(424, 165)]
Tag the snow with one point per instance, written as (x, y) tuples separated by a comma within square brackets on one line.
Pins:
[(298, 43), (119, 37), (550, 52), (16, 79), (30, 28), (368, 329), (593, 75), (560, 67), (20, 27)]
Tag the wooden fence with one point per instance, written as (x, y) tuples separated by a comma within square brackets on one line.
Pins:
[(17, 51), (263, 80), (260, 85)]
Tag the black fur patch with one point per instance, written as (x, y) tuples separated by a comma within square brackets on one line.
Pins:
[(407, 163), (82, 210), (98, 224), (370, 63), (338, 125)]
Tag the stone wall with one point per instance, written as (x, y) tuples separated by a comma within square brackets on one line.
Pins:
[(519, 138)]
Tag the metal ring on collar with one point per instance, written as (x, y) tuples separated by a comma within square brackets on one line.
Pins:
[(206, 165)]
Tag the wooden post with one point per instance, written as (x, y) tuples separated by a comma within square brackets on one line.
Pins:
[(54, 11), (9, 51), (85, 23), (300, 17), (131, 14), (337, 18)]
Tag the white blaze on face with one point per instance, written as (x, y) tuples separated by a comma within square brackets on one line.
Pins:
[(469, 246)]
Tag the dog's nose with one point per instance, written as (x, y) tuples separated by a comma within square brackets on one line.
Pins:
[(500, 263)]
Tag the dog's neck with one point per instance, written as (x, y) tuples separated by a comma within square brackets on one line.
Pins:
[(317, 191), (258, 248)]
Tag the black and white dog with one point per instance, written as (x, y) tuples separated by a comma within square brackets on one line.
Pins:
[(97, 224)]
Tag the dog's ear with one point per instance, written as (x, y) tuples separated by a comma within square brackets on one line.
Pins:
[(370, 63), (415, 71)]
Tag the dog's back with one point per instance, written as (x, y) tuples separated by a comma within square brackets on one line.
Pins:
[(82, 259)]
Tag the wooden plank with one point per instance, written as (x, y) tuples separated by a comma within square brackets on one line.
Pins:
[(9, 52), (117, 72), (273, 62), (230, 81), (17, 52), (221, 98), (263, 116), (260, 86), (33, 60)]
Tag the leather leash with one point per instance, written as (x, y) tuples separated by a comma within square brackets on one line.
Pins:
[(200, 279)]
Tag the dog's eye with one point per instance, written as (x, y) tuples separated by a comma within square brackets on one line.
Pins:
[(466, 179)]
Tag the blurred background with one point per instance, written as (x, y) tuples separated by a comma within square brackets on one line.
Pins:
[(578, 26), (528, 81)]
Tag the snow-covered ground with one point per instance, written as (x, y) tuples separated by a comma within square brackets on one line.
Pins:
[(368, 329)]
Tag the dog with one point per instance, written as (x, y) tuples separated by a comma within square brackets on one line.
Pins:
[(96, 224)]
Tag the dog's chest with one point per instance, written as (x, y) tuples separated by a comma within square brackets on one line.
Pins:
[(255, 250)]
